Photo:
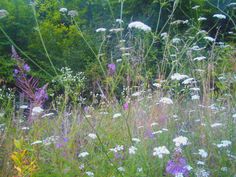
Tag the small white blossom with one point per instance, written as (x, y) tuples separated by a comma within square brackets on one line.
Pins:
[(139, 25), (160, 151), (63, 10), (224, 169), (132, 150), (200, 162), (136, 140), (92, 135), (202, 19), (164, 35), (116, 115), (176, 40), (199, 58), (83, 154), (116, 30), (121, 169), (181, 140), (178, 76), (219, 16), (202, 153), (23, 106), (89, 173), (37, 110), (117, 148), (119, 21), (101, 30), (224, 143), (73, 13), (209, 38), (139, 169), (188, 81)]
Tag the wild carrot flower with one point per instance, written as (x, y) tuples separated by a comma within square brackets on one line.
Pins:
[(181, 140), (160, 151), (139, 25)]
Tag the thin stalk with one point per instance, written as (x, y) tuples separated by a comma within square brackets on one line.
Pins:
[(42, 40)]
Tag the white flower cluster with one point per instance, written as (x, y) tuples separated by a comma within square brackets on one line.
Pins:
[(3, 13), (181, 140), (160, 151), (219, 16), (165, 100), (178, 76), (117, 148), (139, 25)]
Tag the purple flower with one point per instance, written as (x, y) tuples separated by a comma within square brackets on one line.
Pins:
[(111, 68), (148, 133), (41, 94), (26, 67), (16, 71), (177, 166), (126, 106)]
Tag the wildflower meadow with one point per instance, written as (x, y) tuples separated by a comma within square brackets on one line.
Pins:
[(118, 88)]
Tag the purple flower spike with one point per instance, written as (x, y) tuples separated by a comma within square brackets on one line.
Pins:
[(16, 71), (41, 94), (26, 67), (177, 166), (111, 68)]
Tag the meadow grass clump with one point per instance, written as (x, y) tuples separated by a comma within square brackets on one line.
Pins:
[(162, 104)]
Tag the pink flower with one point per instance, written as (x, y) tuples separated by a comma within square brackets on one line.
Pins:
[(126, 106)]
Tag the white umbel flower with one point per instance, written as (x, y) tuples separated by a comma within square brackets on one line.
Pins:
[(181, 140), (3, 13), (219, 16), (132, 150), (101, 30), (139, 25), (63, 10), (224, 143), (199, 58), (160, 151), (37, 110), (202, 153), (92, 135), (177, 76), (83, 154), (116, 115)]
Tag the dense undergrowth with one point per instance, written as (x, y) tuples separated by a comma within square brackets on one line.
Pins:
[(124, 118)]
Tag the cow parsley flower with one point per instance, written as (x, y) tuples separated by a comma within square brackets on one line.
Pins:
[(209, 39), (83, 154), (181, 140), (73, 13), (224, 143), (63, 10), (178, 76), (202, 19), (160, 151), (199, 58), (92, 135), (116, 115), (202, 153), (139, 25), (37, 110), (166, 100), (101, 30), (132, 150), (89, 173), (219, 16)]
